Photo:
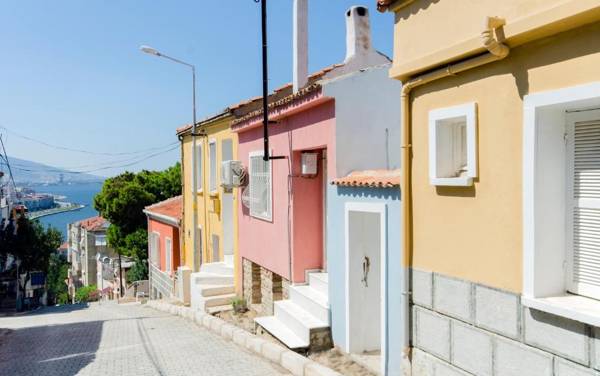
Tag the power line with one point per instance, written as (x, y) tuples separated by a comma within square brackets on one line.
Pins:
[(59, 147), (12, 178)]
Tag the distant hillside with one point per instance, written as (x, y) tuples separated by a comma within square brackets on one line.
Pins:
[(27, 172)]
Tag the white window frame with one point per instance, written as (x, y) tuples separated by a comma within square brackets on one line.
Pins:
[(100, 241), (436, 117), (199, 168), (154, 250), (545, 232), (168, 255), (213, 185), (268, 216)]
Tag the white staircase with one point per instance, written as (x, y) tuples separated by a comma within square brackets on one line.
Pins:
[(212, 288), (296, 320)]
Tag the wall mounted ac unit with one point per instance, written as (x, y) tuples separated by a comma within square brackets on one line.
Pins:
[(233, 174)]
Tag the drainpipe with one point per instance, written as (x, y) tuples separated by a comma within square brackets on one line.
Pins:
[(496, 51)]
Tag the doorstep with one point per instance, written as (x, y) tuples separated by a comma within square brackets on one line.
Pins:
[(297, 364)]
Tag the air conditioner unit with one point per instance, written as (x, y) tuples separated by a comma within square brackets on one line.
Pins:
[(233, 174)]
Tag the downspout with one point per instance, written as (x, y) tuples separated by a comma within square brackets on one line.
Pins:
[(496, 51)]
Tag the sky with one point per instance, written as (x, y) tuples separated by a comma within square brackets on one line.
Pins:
[(72, 74)]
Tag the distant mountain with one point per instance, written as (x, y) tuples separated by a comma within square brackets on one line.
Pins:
[(27, 172)]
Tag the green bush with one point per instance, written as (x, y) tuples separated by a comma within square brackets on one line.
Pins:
[(62, 298), (239, 305), (86, 294)]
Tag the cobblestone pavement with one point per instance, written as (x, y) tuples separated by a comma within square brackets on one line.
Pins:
[(111, 339)]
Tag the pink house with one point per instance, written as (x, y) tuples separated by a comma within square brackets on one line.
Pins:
[(164, 220)]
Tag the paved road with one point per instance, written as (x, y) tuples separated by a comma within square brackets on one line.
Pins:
[(112, 339)]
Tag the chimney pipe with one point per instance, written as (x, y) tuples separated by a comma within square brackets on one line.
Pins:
[(358, 32), (300, 44)]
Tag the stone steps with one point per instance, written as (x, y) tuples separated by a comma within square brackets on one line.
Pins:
[(212, 289)]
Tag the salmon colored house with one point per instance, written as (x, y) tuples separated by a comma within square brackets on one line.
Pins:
[(164, 256)]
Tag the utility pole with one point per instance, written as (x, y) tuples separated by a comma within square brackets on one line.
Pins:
[(120, 277)]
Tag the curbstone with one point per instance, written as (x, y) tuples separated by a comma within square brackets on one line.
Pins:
[(227, 330), (294, 362), (206, 321), (315, 369), (272, 351), (239, 337), (216, 324), (254, 344)]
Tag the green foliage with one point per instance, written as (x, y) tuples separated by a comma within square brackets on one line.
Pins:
[(122, 201), (239, 305), (86, 294), (58, 270)]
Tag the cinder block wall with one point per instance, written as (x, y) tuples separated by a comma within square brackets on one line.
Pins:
[(463, 328)]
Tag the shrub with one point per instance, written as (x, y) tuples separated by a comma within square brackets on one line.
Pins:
[(86, 294), (239, 305)]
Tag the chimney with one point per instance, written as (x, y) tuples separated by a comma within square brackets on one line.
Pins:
[(300, 44), (358, 32)]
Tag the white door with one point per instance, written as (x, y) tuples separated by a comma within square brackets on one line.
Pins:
[(583, 202), (365, 277)]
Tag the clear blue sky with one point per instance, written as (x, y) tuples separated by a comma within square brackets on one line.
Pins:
[(71, 73)]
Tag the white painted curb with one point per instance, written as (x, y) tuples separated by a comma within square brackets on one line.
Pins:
[(288, 359)]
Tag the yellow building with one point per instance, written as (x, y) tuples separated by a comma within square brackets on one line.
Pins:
[(501, 177)]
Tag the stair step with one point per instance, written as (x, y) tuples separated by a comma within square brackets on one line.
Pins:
[(212, 290), (217, 309), (218, 300), (311, 300), (217, 268), (203, 278), (320, 282), (272, 325), (297, 319)]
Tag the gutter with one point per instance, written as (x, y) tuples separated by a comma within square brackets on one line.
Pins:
[(496, 51), (162, 218)]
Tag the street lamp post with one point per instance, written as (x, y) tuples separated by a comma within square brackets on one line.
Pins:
[(151, 51)]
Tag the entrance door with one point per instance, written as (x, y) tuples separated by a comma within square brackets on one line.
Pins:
[(365, 277), (227, 207)]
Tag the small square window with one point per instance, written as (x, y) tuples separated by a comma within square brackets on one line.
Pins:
[(452, 146)]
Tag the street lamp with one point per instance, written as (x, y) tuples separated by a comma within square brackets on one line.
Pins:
[(152, 51)]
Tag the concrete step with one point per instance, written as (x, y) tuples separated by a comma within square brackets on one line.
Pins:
[(217, 268), (272, 325), (203, 278), (319, 282), (297, 319), (212, 290), (217, 309), (218, 300), (311, 300)]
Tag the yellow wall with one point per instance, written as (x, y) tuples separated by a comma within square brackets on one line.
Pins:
[(209, 219), (475, 233)]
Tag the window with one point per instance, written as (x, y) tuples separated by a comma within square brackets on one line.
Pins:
[(260, 187), (452, 145), (100, 240), (168, 254), (212, 155), (583, 202), (561, 202), (198, 168), (154, 248), (215, 248)]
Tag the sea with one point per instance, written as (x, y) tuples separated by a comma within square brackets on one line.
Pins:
[(78, 193)]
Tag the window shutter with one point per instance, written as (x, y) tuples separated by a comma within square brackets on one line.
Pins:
[(260, 187), (584, 176), (212, 151)]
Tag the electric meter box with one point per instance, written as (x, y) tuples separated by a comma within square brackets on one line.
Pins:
[(309, 163)]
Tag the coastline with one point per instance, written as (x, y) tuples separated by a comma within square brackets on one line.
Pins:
[(48, 212)]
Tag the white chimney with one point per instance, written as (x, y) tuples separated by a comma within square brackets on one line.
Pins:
[(300, 44), (358, 32)]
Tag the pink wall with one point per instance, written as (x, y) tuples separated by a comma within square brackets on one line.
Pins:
[(264, 242), (165, 231)]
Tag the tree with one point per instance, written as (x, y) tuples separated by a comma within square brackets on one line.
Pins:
[(122, 201), (58, 271)]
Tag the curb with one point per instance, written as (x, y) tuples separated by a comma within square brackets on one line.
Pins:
[(288, 359)]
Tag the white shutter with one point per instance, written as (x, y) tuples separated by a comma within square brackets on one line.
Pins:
[(583, 135), (212, 155), (260, 187), (168, 254)]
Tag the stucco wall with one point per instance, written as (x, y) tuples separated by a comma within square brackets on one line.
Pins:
[(266, 242), (366, 104), (475, 233), (164, 231), (337, 198)]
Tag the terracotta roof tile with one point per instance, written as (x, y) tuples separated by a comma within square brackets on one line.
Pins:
[(94, 223), (382, 5), (370, 178), (169, 208)]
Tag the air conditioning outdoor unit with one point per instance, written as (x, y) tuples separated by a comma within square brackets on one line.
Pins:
[(233, 174)]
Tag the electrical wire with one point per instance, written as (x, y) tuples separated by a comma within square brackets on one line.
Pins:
[(12, 178), (59, 147)]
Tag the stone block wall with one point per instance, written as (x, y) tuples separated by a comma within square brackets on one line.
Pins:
[(251, 281), (262, 286), (463, 328)]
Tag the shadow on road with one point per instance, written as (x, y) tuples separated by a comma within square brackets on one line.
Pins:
[(50, 350)]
